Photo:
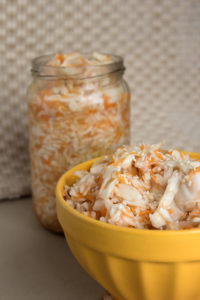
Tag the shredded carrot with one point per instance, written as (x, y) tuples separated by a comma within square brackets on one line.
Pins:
[(103, 211), (195, 212), (197, 170), (43, 199), (45, 93), (142, 147), (98, 179), (107, 103), (79, 195), (90, 197), (116, 163), (192, 172), (132, 208), (60, 57), (125, 214), (144, 212), (125, 116), (46, 161), (181, 154), (169, 152), (159, 154), (169, 210), (121, 179), (44, 118), (151, 161), (153, 178), (107, 57)]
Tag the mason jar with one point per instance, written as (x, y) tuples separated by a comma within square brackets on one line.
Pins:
[(76, 113)]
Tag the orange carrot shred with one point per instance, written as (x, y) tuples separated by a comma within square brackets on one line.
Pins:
[(103, 211), (142, 147)]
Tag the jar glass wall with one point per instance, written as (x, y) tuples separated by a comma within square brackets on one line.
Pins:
[(75, 114)]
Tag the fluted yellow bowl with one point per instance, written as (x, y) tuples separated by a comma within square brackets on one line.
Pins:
[(132, 264)]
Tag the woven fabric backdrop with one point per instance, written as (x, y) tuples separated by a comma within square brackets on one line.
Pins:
[(159, 39)]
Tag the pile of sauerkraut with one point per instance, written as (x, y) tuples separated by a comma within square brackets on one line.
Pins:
[(72, 119), (140, 187)]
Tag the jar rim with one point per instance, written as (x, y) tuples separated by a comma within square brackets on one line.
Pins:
[(40, 68)]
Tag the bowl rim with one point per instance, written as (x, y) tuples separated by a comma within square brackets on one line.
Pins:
[(143, 232)]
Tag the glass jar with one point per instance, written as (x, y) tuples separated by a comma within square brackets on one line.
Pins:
[(75, 114)]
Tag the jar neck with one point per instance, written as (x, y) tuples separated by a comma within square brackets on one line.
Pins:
[(41, 69), (89, 84)]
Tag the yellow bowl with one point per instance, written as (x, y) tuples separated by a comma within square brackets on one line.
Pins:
[(132, 264)]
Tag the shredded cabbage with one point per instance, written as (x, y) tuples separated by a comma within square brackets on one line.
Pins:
[(72, 121), (140, 187)]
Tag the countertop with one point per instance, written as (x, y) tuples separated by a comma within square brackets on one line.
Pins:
[(35, 263)]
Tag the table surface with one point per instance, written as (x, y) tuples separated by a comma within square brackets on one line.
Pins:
[(35, 263)]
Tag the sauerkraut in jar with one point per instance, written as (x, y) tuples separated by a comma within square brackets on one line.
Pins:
[(78, 109)]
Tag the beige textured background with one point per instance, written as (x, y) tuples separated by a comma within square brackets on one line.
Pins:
[(159, 39)]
